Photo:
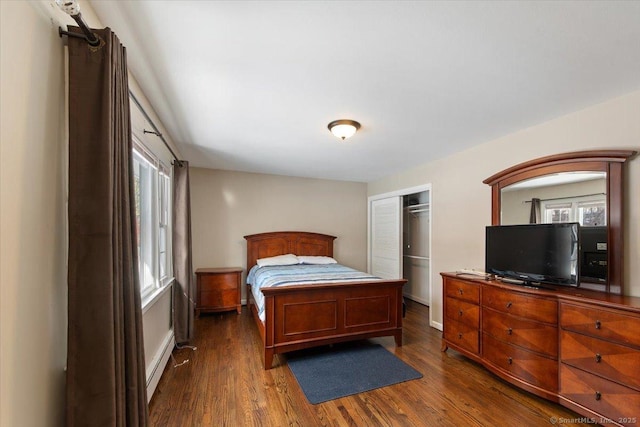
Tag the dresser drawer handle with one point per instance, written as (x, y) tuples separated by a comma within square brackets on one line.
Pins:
[(460, 312), (598, 358), (460, 336), (509, 331), (461, 291), (509, 304), (598, 395), (598, 324), (509, 360)]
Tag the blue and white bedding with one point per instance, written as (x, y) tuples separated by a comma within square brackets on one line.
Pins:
[(282, 275)]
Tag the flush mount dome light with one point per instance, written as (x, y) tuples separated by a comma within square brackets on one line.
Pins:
[(343, 129)]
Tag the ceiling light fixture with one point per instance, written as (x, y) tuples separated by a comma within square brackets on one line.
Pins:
[(343, 129)]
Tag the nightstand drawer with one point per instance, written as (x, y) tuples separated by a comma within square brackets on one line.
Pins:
[(211, 282), (219, 299), (218, 289)]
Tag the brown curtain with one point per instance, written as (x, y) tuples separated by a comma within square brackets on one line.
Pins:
[(106, 380), (535, 216), (183, 301)]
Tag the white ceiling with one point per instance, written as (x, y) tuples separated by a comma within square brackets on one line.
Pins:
[(252, 85)]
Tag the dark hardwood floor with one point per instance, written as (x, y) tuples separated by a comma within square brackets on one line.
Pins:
[(224, 385)]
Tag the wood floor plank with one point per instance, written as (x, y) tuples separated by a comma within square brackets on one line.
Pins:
[(224, 384)]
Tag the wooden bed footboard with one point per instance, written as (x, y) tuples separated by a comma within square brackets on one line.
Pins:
[(301, 316), (304, 316)]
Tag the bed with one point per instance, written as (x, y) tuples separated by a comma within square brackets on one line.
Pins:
[(299, 316)]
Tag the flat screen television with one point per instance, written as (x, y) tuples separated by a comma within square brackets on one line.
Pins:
[(534, 253)]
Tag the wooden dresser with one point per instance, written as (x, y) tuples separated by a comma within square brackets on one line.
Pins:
[(462, 312), (576, 347), (218, 289)]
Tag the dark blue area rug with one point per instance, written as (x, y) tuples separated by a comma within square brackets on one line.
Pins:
[(329, 373)]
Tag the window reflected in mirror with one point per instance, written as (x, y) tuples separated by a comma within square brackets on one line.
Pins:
[(565, 197)]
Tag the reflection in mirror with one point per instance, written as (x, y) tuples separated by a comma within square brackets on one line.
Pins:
[(565, 197), (609, 164)]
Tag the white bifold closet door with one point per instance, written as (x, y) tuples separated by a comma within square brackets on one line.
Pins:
[(386, 238)]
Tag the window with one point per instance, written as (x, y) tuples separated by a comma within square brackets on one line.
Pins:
[(557, 213), (592, 213), (152, 186), (164, 224), (587, 212)]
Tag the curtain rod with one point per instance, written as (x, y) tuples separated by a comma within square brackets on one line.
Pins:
[(72, 8), (565, 198), (155, 131)]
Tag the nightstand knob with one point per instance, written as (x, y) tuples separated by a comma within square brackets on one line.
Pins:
[(459, 312), (509, 360), (461, 292), (509, 304), (460, 336), (598, 395), (509, 331), (598, 358), (598, 324)]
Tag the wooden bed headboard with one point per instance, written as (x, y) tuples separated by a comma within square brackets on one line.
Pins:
[(265, 245)]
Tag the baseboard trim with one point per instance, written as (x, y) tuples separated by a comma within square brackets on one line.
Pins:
[(158, 364), (416, 299)]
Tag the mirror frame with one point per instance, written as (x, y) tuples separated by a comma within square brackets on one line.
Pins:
[(608, 161)]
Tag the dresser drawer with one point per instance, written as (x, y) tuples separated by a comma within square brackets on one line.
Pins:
[(464, 336), (606, 324), (464, 312), (530, 367), (531, 307), (614, 401), (210, 282), (535, 336), (462, 290), (613, 361)]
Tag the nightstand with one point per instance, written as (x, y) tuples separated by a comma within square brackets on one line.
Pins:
[(218, 289)]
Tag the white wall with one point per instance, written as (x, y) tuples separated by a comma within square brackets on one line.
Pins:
[(158, 339), (461, 203), (33, 247), (225, 206), (32, 226)]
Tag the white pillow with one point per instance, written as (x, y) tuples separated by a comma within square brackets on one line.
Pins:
[(316, 260), (288, 259)]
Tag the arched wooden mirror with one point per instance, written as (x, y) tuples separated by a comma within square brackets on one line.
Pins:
[(585, 187)]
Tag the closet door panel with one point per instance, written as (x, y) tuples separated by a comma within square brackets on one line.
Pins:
[(386, 238)]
